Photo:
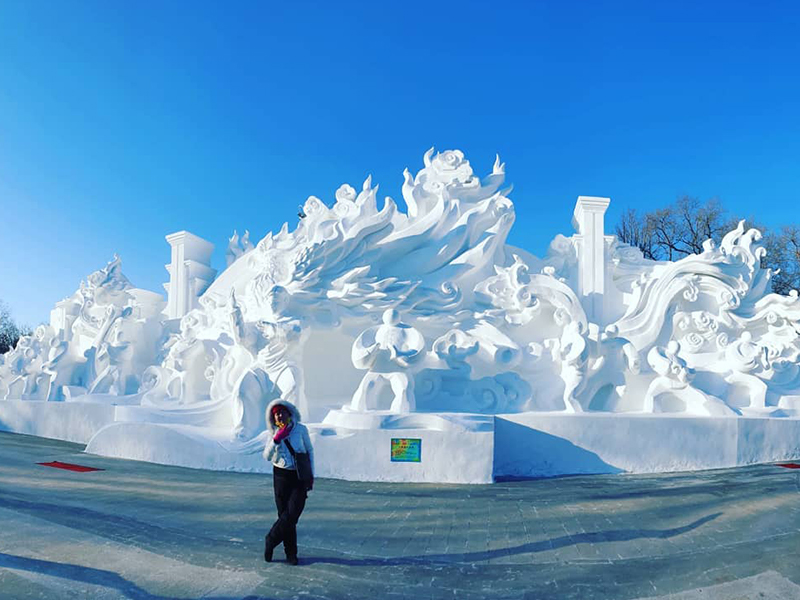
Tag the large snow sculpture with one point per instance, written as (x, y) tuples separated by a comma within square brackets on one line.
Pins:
[(487, 329)]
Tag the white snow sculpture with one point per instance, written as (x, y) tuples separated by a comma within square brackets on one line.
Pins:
[(488, 329), (63, 367), (572, 352), (266, 371), (245, 242), (101, 340), (387, 351), (183, 376), (616, 356), (234, 251), (748, 361), (674, 380), (237, 247), (21, 367), (448, 382)]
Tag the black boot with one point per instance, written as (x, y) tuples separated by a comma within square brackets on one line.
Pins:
[(292, 559), (268, 548)]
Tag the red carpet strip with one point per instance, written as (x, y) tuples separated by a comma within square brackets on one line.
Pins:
[(69, 466)]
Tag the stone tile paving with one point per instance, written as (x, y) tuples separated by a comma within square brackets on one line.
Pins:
[(153, 532)]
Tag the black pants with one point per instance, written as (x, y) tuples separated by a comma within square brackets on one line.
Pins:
[(290, 499)]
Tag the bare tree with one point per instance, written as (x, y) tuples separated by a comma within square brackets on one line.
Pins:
[(633, 229), (676, 231), (666, 232), (701, 222), (10, 331), (682, 227), (783, 257)]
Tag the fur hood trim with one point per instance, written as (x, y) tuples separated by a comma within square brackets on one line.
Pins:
[(289, 406)]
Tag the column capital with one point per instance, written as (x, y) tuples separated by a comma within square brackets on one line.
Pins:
[(190, 272), (588, 204)]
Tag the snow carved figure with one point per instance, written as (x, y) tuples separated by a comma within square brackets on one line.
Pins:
[(281, 334), (674, 380), (614, 357), (387, 351), (572, 352), (63, 366), (110, 358), (183, 376), (20, 369), (264, 370), (747, 361)]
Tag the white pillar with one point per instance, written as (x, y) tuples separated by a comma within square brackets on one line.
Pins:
[(190, 272), (63, 316), (588, 220)]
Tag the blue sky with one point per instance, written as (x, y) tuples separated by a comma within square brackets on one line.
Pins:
[(123, 122)]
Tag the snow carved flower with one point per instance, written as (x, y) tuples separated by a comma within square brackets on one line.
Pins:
[(345, 193), (450, 166)]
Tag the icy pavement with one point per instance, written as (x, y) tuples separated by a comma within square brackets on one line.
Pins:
[(150, 532)]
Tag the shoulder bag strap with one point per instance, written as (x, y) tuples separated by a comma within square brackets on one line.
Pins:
[(289, 446)]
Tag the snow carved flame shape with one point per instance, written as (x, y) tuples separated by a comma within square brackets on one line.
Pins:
[(728, 277), (355, 257)]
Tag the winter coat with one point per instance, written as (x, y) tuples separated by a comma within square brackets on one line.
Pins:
[(298, 437)]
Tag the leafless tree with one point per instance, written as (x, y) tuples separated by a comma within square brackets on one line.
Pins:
[(10, 331), (633, 229), (677, 230), (682, 227), (783, 257)]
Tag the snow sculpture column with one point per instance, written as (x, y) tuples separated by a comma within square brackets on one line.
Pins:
[(588, 220), (63, 316), (189, 272)]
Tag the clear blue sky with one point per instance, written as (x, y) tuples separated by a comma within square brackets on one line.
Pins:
[(121, 122)]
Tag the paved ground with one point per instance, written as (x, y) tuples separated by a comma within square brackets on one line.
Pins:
[(150, 532)]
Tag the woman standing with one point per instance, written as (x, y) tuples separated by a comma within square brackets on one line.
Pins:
[(289, 439)]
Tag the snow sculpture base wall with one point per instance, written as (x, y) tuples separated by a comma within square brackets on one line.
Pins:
[(546, 445), (178, 445), (456, 447), (458, 450), (365, 455), (72, 422)]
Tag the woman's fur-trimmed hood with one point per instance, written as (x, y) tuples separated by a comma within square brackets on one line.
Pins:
[(289, 406)]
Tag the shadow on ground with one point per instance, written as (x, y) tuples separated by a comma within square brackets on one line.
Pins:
[(594, 537), (99, 577)]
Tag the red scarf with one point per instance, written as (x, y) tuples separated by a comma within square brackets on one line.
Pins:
[(283, 432)]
